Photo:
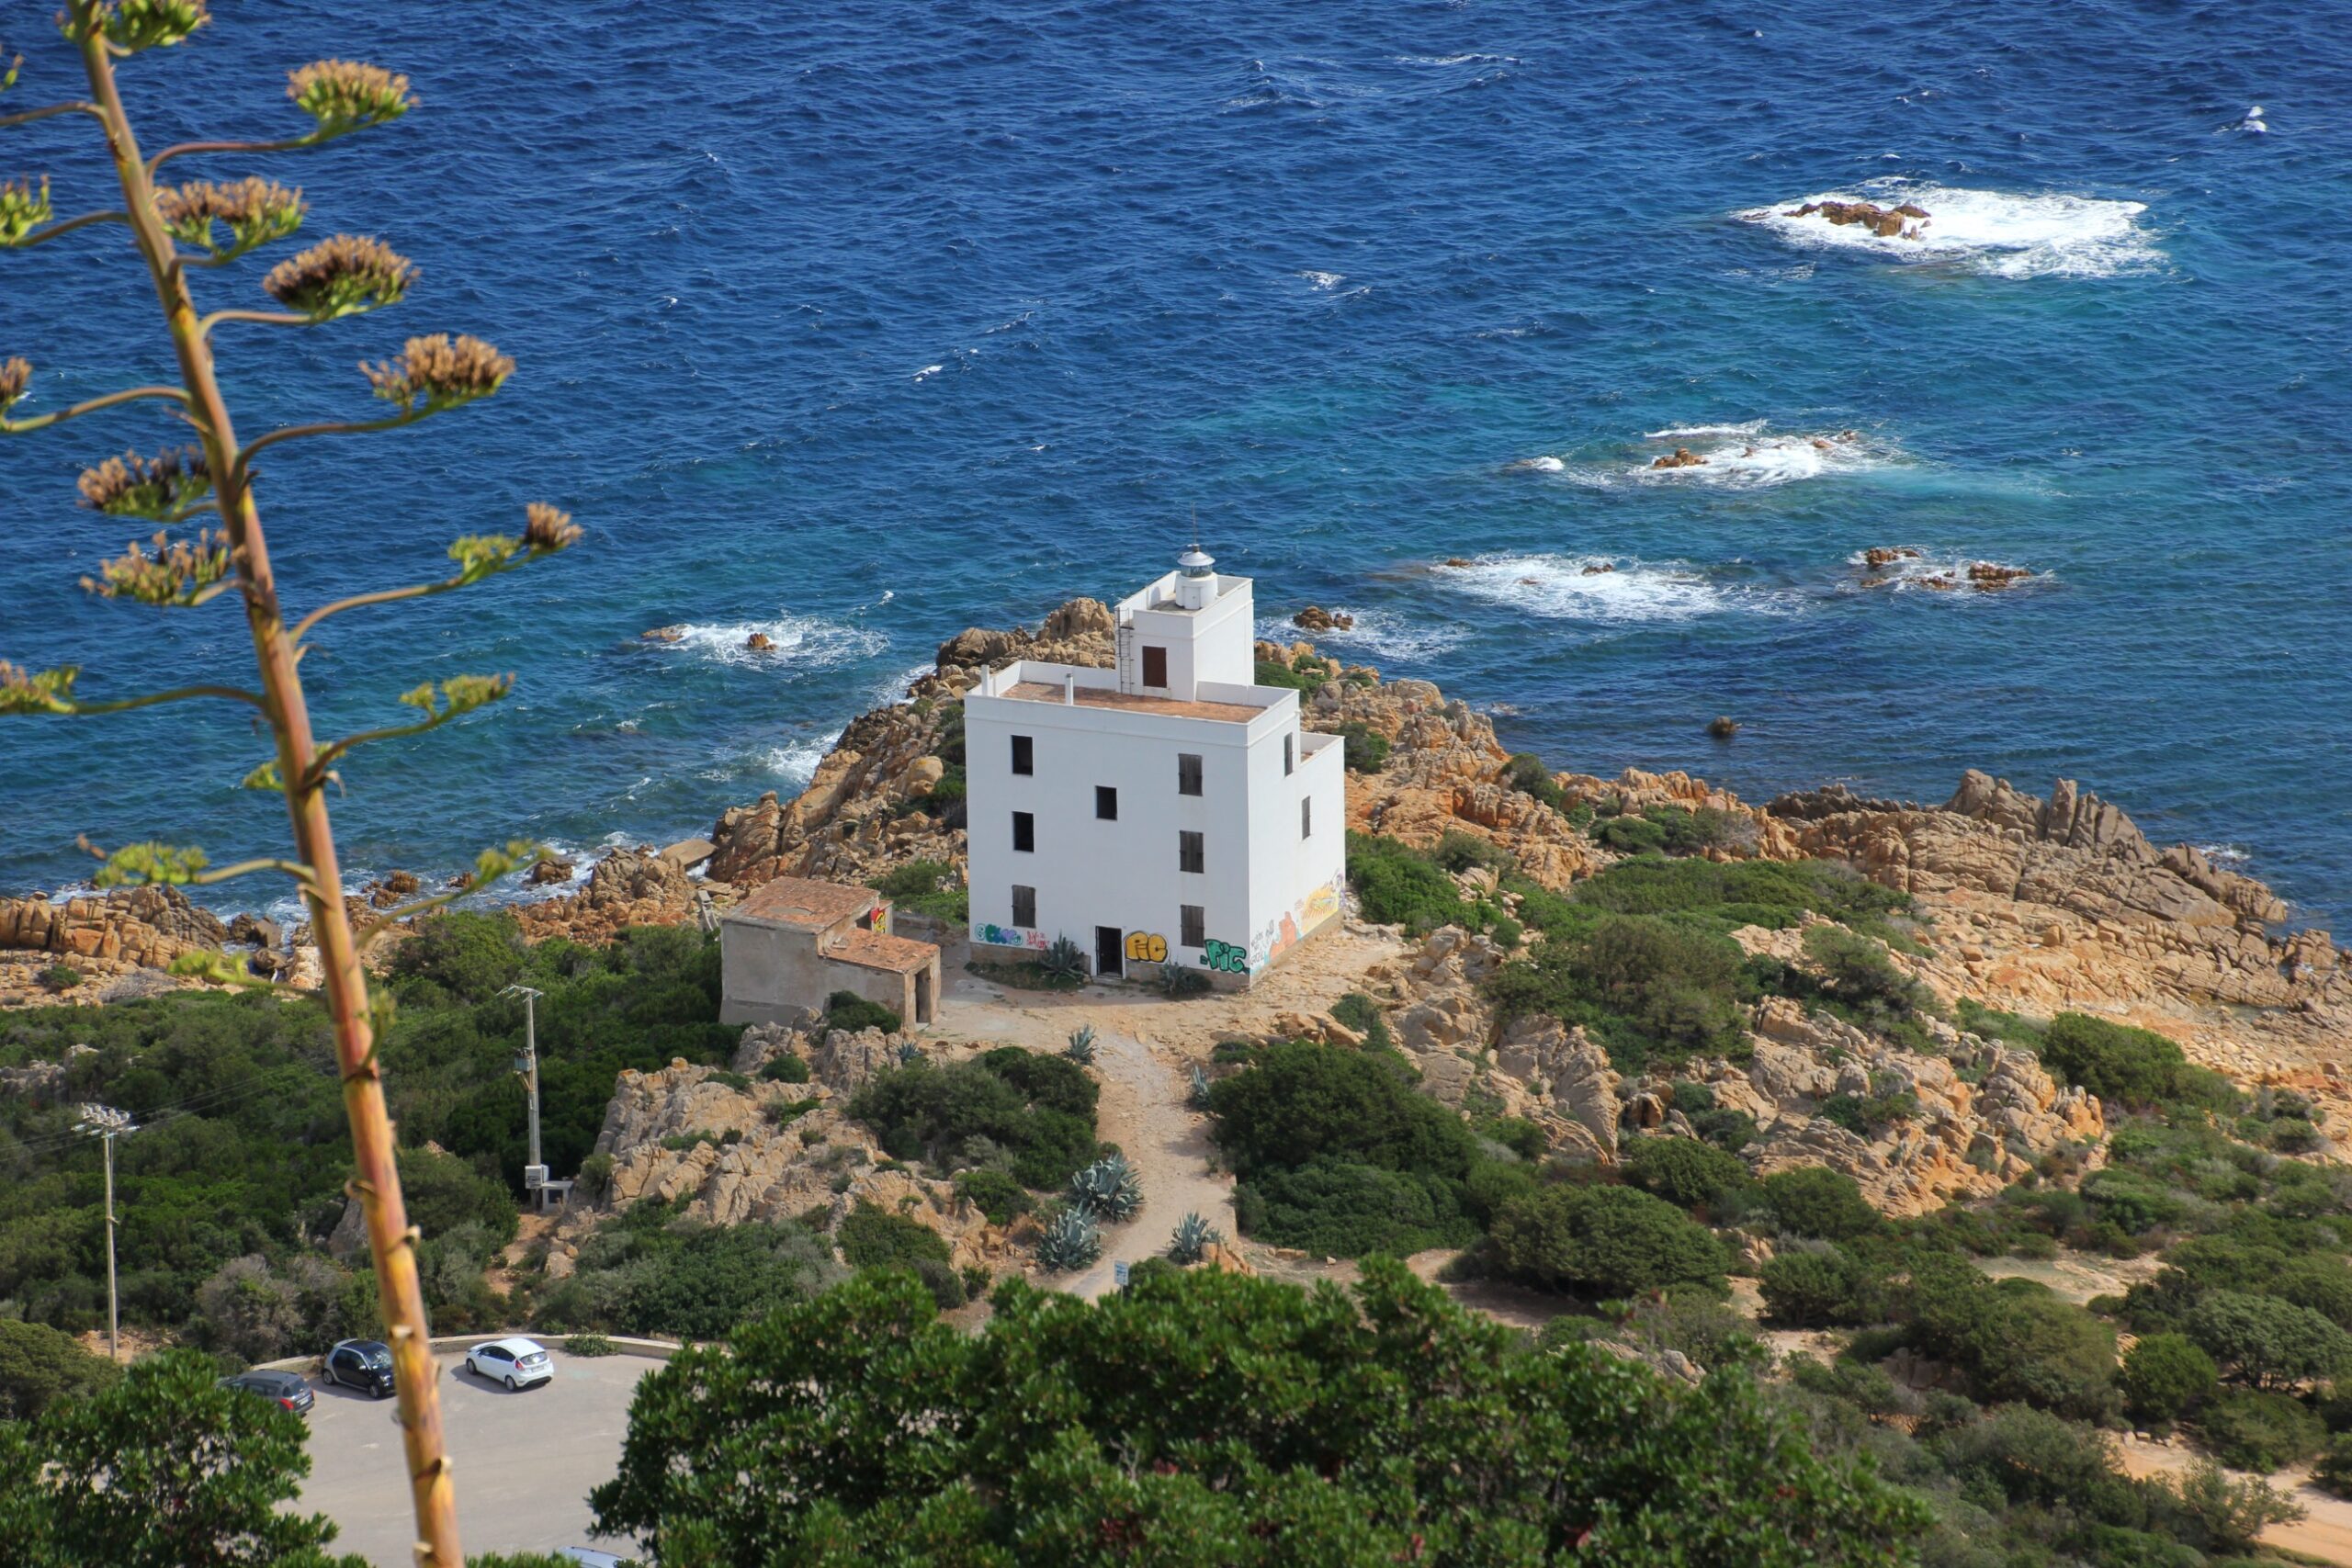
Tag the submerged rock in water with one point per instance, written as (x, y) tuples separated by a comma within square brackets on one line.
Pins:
[(1681, 457), (1887, 222), (1315, 618)]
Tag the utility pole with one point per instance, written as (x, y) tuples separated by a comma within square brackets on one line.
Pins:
[(106, 1123), (535, 1173)]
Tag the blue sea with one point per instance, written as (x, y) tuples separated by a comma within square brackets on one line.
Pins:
[(857, 325)]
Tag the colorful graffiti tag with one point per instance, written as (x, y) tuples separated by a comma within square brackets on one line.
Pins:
[(1146, 947), (1224, 955), (1011, 936)]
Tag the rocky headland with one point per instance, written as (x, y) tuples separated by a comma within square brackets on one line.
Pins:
[(2023, 903)]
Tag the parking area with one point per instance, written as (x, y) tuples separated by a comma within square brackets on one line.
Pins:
[(525, 1461)]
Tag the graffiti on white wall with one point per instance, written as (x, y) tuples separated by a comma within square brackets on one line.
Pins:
[(1011, 936), (1146, 947)]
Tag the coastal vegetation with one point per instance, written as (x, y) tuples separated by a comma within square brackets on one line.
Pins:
[(179, 233)]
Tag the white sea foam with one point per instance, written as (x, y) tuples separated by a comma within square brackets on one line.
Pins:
[(1535, 466), (797, 760), (928, 371), (1325, 279), (800, 642), (2004, 233), (1561, 587), (1939, 574), (2228, 857), (1376, 635), (1740, 456)]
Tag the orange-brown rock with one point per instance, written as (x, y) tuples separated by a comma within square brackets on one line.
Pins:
[(1986, 575), (1315, 618), (760, 642), (1680, 457), (1887, 222), (1888, 556), (144, 925), (628, 887)]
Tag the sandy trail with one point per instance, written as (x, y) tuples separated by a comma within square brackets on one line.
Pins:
[(2323, 1534)]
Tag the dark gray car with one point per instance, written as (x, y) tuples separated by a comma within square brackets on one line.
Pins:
[(290, 1389)]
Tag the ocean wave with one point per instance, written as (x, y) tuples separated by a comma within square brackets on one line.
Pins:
[(2003, 233), (1588, 588), (1381, 634), (1938, 573), (1325, 279), (802, 642), (1733, 457)]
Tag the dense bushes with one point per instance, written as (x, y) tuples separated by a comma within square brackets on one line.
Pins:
[(1267, 1424), (927, 887), (1601, 1242), (2012, 1338), (646, 1273), (2121, 1064), (39, 1365), (872, 1237), (1652, 992), (1813, 1201), (1824, 1289), (1038, 1110), (1683, 1171), (1395, 885), (2165, 1377), (1340, 1154), (851, 1012)]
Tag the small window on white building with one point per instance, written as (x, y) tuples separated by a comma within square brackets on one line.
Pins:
[(1188, 773), (1190, 852), (1024, 905), (1106, 803), (1191, 926), (1307, 817), (1025, 754), (1288, 742), (1024, 832), (1155, 667)]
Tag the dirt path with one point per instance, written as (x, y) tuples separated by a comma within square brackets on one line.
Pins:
[(2323, 1534)]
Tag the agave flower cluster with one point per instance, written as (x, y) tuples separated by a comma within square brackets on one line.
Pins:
[(183, 572), (546, 530), (1109, 1188), (256, 212), (1082, 1046), (1194, 1237), (439, 372), (133, 24), (458, 694), (24, 207), (162, 489), (341, 276), (35, 691), (16, 376), (345, 95), (1071, 1241)]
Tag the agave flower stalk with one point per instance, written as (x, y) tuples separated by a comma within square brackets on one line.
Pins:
[(344, 274)]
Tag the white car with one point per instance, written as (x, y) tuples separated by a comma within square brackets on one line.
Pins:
[(516, 1362)]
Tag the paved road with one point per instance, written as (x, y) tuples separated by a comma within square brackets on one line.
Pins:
[(525, 1461)]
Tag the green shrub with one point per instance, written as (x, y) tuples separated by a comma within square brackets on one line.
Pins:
[(471, 956), (1298, 1103), (1652, 991), (1039, 1108), (1603, 1242), (2333, 1473), (39, 1365), (1803, 1288), (1685, 1172), (643, 1273), (1525, 772), (1524, 1138), (1731, 1130), (994, 1193), (927, 887), (1691, 1097), (942, 1280), (786, 1068), (2121, 1064), (1813, 1201), (61, 976), (1857, 971), (2267, 1342), (2256, 1429), (444, 1192), (1395, 885), (1273, 672), (1364, 749), (873, 1238), (1336, 1208), (1364, 1016), (2013, 1340), (591, 1346), (2165, 1377), (848, 1010), (1630, 835)]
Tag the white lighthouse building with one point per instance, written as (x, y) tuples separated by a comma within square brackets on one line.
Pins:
[(1167, 811)]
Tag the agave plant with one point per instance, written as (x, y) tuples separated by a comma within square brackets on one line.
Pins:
[(1198, 1096), (1082, 1046), (1194, 1237), (1178, 981), (1070, 1242), (1065, 960), (1108, 1188), (908, 1052)]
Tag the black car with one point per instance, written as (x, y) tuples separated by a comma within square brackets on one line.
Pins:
[(290, 1389), (363, 1364)]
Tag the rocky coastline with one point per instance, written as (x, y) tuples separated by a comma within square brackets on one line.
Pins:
[(2034, 904)]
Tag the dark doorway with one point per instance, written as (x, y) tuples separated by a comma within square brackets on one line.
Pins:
[(922, 996), (1110, 951)]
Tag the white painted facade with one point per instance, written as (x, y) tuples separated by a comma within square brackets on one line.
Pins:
[(1270, 812)]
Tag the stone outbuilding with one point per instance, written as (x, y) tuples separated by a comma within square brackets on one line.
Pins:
[(792, 942)]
